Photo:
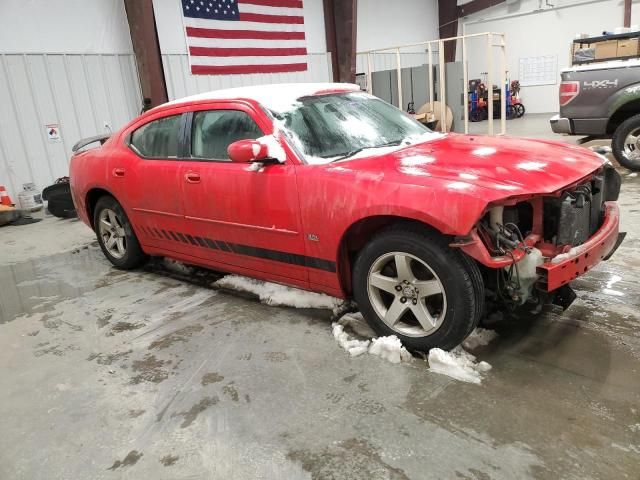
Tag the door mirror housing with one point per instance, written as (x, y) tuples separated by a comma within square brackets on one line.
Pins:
[(245, 151)]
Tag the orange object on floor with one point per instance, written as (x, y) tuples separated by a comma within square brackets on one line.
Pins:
[(5, 199)]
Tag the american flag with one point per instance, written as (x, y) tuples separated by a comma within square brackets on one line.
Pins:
[(245, 36)]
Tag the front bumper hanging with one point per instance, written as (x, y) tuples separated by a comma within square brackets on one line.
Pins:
[(579, 260)]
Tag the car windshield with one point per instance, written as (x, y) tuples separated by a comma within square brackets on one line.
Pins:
[(334, 127)]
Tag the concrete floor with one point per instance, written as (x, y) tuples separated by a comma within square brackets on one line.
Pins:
[(145, 374)]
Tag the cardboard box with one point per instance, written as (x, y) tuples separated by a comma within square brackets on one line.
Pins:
[(628, 47), (606, 49)]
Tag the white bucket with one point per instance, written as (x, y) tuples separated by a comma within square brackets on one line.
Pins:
[(30, 198)]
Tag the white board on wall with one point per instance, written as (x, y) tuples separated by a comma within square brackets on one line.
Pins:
[(542, 70)]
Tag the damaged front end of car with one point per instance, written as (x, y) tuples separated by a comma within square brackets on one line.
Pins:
[(530, 248)]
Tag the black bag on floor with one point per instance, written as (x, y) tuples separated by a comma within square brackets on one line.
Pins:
[(59, 199)]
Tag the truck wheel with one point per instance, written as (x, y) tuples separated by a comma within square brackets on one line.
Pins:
[(626, 143), (408, 282), (115, 235)]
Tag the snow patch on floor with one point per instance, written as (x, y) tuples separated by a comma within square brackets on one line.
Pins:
[(278, 295), (355, 336), (390, 348), (353, 346), (458, 364)]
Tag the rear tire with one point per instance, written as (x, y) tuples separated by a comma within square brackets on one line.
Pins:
[(626, 143), (443, 290), (116, 236)]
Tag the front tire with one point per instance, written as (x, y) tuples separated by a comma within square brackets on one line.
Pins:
[(408, 282), (116, 236), (626, 143)]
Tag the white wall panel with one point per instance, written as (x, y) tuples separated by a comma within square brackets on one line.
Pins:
[(64, 26), (81, 93), (181, 83), (384, 23)]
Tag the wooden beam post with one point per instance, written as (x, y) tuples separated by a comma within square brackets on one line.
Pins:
[(627, 13), (448, 27), (340, 30), (144, 37)]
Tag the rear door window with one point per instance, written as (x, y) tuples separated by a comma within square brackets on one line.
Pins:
[(214, 130), (159, 138)]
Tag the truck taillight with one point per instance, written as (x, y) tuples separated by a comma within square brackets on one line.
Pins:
[(568, 91)]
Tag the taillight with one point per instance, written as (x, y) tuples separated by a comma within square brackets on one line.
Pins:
[(568, 91)]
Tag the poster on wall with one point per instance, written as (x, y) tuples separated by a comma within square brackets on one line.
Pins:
[(52, 131), (542, 70)]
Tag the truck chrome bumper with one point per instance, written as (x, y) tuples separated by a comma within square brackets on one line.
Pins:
[(560, 125)]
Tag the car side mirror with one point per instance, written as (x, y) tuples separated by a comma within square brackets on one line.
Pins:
[(245, 151)]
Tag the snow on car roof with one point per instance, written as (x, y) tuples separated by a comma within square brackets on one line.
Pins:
[(275, 97)]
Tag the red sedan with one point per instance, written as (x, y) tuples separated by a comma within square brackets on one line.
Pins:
[(326, 188)]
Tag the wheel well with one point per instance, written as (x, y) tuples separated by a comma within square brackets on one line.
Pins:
[(92, 199), (626, 111), (357, 236)]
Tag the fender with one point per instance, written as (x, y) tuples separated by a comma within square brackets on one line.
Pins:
[(623, 97), (83, 212)]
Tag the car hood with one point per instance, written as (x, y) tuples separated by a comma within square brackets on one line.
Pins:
[(482, 166)]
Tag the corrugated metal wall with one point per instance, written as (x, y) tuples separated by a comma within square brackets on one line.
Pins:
[(181, 83), (80, 93)]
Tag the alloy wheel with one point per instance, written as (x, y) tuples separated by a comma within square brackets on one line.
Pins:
[(112, 233), (632, 145), (406, 294)]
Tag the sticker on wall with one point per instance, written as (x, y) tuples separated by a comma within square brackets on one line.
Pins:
[(53, 132)]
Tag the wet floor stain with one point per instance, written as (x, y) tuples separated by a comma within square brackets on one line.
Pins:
[(350, 378), (355, 459), (169, 460), (211, 377), (181, 335), (57, 350), (108, 358), (231, 392), (366, 406), (131, 459), (275, 357), (149, 370), (190, 415), (120, 327), (103, 320)]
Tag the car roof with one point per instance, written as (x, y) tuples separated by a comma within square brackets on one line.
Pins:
[(275, 97)]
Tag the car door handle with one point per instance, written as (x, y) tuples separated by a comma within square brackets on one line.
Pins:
[(192, 177), (118, 172)]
